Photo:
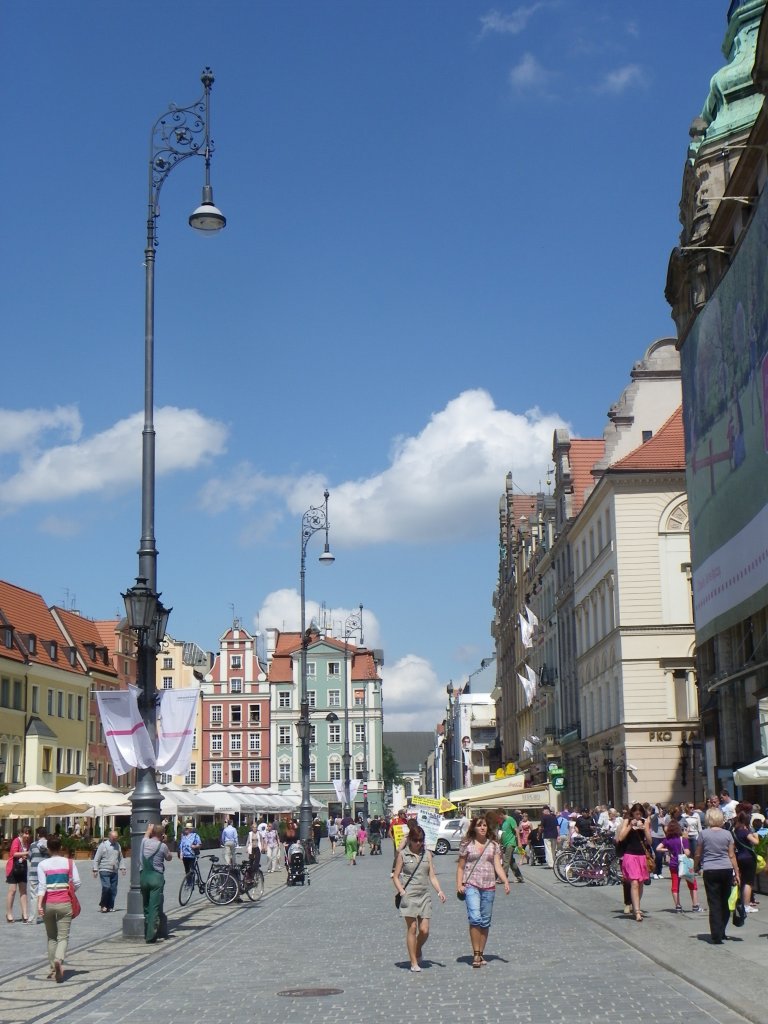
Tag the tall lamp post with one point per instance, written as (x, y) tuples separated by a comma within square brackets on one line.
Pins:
[(177, 134), (313, 520), (352, 624)]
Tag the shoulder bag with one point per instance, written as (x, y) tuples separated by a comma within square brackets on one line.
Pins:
[(73, 895), (399, 895)]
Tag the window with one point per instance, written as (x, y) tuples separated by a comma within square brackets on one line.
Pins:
[(80, 708), (359, 734), (70, 705), (167, 663), (360, 772), (283, 698), (254, 771), (254, 742), (284, 734), (312, 698), (90, 731), (164, 778), (59, 761), (190, 779), (236, 714), (334, 769), (69, 761), (216, 717), (235, 685), (194, 738), (35, 699), (312, 771), (334, 733), (236, 773), (236, 661), (47, 759), (17, 694), (50, 702), (334, 668), (334, 698), (359, 698), (78, 762), (53, 650), (8, 636), (235, 742), (311, 669), (5, 692), (167, 682), (59, 703), (216, 773), (254, 714), (216, 743), (284, 771), (313, 734)]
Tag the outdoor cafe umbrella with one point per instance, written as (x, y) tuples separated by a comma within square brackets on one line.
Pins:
[(42, 802), (755, 774)]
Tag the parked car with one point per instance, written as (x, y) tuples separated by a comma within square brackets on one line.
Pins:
[(449, 836)]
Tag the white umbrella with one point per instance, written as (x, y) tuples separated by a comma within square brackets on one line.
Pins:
[(755, 774), (40, 801)]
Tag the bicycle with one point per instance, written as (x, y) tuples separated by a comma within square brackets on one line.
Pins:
[(193, 881), (234, 880)]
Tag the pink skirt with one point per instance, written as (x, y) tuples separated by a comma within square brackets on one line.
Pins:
[(634, 867)]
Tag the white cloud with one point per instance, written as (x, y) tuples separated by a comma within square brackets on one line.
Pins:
[(412, 696), (441, 484), (496, 23), (58, 526), (618, 81), (528, 73), (21, 429), (111, 460), (282, 610)]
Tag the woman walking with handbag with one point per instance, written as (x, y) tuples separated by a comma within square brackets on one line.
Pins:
[(676, 845), (57, 880), (478, 868), (717, 860), (635, 836), (414, 873), (16, 873)]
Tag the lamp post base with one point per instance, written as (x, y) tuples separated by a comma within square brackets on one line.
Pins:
[(133, 920)]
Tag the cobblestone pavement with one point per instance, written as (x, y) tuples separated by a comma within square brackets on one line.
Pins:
[(555, 954)]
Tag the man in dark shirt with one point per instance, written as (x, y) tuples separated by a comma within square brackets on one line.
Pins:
[(549, 832), (585, 824)]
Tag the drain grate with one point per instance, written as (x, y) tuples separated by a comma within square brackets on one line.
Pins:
[(304, 993)]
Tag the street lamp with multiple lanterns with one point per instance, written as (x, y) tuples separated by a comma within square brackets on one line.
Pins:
[(179, 133), (314, 520)]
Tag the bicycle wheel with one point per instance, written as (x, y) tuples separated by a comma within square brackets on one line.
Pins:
[(562, 860), (577, 872), (222, 888), (254, 887), (187, 888)]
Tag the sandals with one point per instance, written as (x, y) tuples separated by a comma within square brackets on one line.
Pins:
[(477, 960), (638, 915)]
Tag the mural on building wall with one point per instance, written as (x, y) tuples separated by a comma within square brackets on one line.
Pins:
[(725, 392)]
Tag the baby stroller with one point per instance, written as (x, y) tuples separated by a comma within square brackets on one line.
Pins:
[(295, 863), (537, 853)]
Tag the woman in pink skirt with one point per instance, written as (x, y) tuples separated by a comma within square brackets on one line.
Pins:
[(635, 836)]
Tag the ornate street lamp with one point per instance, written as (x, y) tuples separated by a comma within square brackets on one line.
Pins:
[(313, 520), (179, 133)]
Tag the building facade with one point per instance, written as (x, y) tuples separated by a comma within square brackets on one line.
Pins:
[(345, 700)]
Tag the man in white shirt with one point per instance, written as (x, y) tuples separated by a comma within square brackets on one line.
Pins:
[(728, 805)]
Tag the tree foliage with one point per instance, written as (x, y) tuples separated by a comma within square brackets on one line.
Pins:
[(391, 771)]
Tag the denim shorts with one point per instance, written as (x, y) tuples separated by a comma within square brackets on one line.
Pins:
[(479, 906)]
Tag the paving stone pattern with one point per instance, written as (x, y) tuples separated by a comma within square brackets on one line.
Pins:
[(556, 954)]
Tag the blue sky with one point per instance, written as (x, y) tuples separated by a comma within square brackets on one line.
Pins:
[(448, 231)]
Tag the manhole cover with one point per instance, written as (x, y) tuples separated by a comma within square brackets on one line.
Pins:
[(300, 993)]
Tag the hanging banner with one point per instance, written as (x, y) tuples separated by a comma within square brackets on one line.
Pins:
[(176, 730), (126, 735)]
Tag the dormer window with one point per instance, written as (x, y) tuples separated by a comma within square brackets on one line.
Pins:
[(8, 636), (72, 655), (90, 650), (104, 655), (53, 650), (32, 643)]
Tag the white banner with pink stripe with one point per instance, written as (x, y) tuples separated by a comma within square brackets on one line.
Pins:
[(176, 729), (127, 738)]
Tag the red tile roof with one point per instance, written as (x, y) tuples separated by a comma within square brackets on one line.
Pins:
[(289, 645), (664, 451), (28, 614), (584, 453), (87, 638)]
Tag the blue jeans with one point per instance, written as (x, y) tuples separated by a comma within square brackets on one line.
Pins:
[(108, 889), (479, 906)]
